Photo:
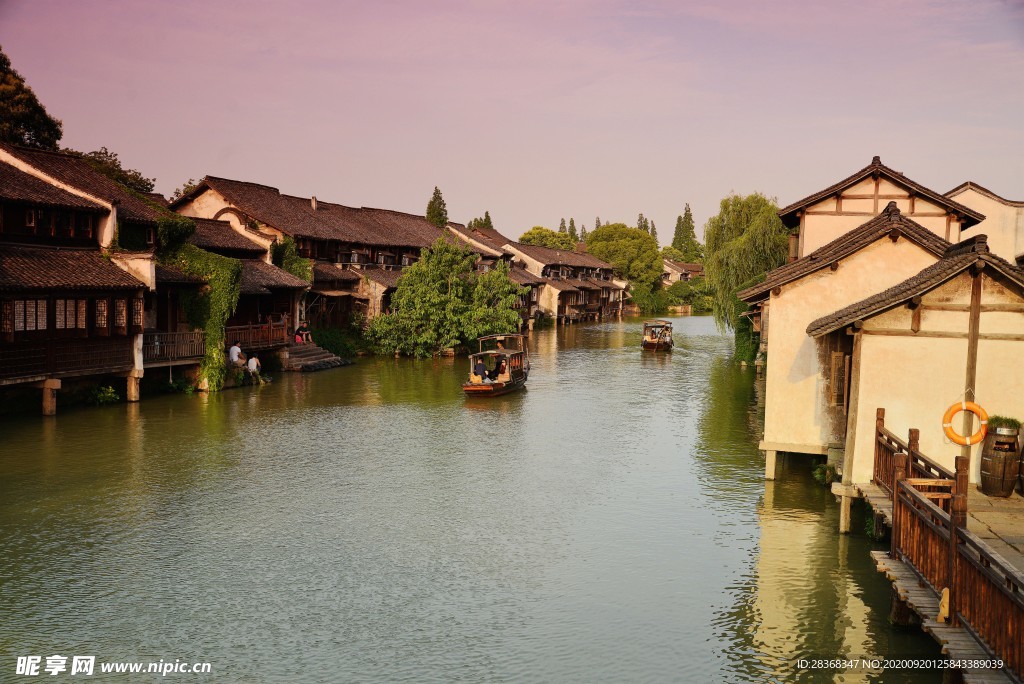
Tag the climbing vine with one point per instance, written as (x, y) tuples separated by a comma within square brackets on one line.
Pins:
[(285, 255)]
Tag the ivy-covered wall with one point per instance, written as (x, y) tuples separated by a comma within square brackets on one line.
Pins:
[(285, 256)]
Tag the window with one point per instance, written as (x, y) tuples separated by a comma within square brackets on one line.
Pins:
[(137, 314), (120, 313), (24, 315), (102, 314), (30, 218), (83, 226), (70, 314), (7, 318), (839, 375)]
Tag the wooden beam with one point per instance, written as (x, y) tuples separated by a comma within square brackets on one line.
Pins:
[(915, 320), (985, 308), (872, 196), (876, 178), (839, 213), (971, 376), (943, 334)]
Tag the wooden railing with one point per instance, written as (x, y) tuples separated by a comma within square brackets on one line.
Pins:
[(167, 346), (260, 336), (63, 357), (888, 446), (929, 533)]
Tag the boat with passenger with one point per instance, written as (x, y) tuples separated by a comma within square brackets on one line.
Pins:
[(657, 336), (501, 366)]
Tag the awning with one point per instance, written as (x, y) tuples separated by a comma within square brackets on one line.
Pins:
[(333, 293)]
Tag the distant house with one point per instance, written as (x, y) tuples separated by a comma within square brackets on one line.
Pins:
[(358, 253), (674, 271), (1003, 224), (577, 287)]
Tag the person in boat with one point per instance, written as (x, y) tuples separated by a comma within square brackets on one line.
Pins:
[(481, 369), (499, 369)]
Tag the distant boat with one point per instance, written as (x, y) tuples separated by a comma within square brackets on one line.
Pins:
[(657, 336), (506, 359)]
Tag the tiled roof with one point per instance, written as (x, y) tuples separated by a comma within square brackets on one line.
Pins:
[(494, 236), (561, 285), (549, 257), (219, 235), (886, 223), (684, 266), (329, 221), (605, 284), (958, 258), (970, 217), (971, 185), (158, 198), (77, 172), (488, 246), (388, 279), (31, 268), (582, 284), (259, 277), (18, 186), (523, 277), (329, 273), (169, 275)]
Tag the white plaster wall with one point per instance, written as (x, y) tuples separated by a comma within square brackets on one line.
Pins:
[(917, 378), (1003, 224), (795, 411), (142, 267)]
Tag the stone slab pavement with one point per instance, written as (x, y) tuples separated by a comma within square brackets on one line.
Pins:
[(1000, 522)]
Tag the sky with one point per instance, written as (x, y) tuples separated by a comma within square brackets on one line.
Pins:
[(535, 110)]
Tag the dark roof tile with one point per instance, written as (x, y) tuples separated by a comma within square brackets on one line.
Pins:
[(18, 186), (259, 277), (219, 235), (787, 214), (31, 269), (884, 224)]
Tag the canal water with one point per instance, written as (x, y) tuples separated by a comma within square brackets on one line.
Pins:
[(370, 524)]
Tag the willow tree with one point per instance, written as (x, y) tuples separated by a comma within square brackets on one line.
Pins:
[(744, 241)]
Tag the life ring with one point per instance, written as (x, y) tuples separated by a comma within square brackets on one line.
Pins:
[(954, 436)]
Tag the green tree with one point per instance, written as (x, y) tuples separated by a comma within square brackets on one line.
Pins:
[(484, 222), (545, 237), (442, 302), (23, 118), (697, 293), (572, 230), (561, 227), (634, 254), (685, 239), (186, 187), (642, 224), (597, 223), (744, 241), (437, 211), (583, 234), (108, 163), (654, 232)]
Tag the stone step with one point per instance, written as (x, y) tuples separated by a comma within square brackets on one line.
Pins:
[(309, 357)]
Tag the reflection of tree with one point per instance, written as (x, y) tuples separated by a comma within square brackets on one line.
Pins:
[(724, 428)]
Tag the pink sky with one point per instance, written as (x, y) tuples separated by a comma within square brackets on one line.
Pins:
[(535, 110)]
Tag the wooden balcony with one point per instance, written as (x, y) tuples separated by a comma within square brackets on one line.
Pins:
[(38, 360), (171, 349), (260, 336)]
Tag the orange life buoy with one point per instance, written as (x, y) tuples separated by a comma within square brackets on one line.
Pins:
[(954, 436)]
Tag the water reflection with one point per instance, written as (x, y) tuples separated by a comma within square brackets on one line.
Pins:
[(610, 523)]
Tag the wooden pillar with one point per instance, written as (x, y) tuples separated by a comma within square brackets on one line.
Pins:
[(957, 521), (50, 388), (132, 388), (770, 464), (972, 354), (900, 614), (850, 448), (899, 474)]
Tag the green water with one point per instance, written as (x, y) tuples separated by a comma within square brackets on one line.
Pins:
[(370, 524)]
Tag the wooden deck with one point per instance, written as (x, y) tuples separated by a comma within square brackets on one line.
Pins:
[(956, 642)]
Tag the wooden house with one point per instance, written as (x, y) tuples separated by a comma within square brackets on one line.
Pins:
[(68, 308), (673, 271), (804, 409), (577, 286), (374, 245)]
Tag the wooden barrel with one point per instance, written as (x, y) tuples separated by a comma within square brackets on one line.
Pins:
[(1000, 462)]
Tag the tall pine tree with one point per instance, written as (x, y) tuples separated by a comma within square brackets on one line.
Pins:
[(561, 226), (437, 211), (484, 222), (654, 231), (572, 230), (583, 234), (597, 223), (685, 239)]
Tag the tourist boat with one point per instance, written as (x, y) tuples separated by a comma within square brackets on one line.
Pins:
[(657, 336), (495, 351), (512, 342)]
